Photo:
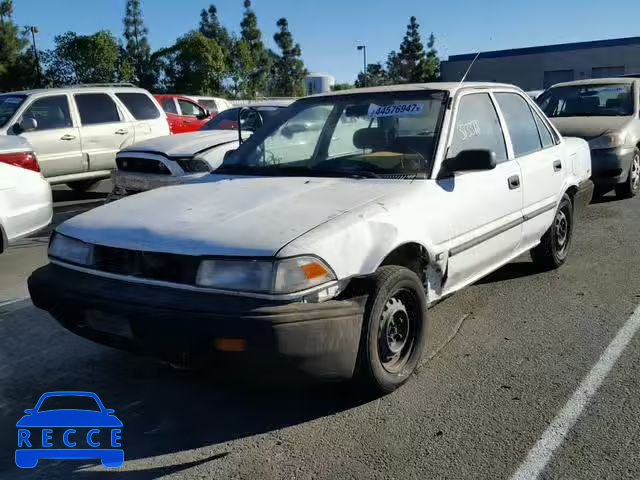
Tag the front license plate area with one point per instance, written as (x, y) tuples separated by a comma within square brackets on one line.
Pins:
[(109, 323)]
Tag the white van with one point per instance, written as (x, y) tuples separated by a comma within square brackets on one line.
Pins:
[(77, 131)]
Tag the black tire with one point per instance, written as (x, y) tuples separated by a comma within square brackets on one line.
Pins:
[(82, 185), (554, 246), (631, 187), (394, 328)]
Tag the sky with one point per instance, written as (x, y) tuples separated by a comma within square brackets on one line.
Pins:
[(329, 30)]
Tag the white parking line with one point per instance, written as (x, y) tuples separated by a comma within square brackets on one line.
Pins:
[(540, 455)]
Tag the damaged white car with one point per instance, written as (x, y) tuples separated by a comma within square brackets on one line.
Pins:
[(323, 261)]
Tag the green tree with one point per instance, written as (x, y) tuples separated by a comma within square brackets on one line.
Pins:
[(93, 58), (211, 27), (341, 86), (410, 64), (289, 70), (376, 76), (194, 64), (137, 46), (18, 69), (251, 62), (433, 61)]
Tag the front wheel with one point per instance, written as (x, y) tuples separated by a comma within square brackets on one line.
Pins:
[(395, 325), (553, 249), (631, 187)]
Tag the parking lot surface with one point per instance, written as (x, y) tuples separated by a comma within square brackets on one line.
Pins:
[(505, 360)]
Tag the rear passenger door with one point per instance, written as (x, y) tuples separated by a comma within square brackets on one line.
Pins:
[(170, 107), (485, 205), (536, 149), (149, 120), (104, 130), (55, 140)]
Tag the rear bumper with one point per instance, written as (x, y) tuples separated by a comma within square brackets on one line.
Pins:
[(611, 166), (316, 339)]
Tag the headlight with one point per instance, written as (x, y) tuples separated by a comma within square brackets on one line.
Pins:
[(70, 250), (608, 141), (280, 277)]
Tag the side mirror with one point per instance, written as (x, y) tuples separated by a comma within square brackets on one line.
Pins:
[(109, 411), (203, 115), (468, 160), (29, 411), (28, 124), (244, 114)]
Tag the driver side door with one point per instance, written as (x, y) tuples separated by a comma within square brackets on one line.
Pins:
[(192, 116), (485, 205)]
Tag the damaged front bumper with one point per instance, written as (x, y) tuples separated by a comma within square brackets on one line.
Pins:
[(320, 340)]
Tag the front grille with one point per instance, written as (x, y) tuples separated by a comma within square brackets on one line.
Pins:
[(167, 267), (142, 165)]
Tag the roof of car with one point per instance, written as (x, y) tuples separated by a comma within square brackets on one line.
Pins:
[(413, 87), (81, 89), (597, 81)]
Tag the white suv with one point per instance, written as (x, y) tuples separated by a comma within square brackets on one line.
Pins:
[(77, 131)]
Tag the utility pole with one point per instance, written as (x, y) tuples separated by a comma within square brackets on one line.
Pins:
[(33, 29), (363, 47)]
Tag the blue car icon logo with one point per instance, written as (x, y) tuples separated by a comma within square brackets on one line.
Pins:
[(69, 425)]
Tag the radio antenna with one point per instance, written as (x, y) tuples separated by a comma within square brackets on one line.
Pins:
[(469, 68)]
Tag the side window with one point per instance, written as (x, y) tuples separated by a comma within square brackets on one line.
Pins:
[(520, 122), (545, 135), (140, 105), (50, 112), (96, 108), (209, 104), (190, 109), (477, 127), (169, 105)]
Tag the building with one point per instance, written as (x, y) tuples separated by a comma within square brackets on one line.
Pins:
[(318, 83), (535, 68)]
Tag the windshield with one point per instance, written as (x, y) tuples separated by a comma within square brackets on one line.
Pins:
[(610, 100), (8, 106), (69, 402), (251, 121), (362, 134)]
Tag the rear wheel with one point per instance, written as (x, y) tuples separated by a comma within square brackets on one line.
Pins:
[(82, 185), (630, 188), (394, 333), (554, 246)]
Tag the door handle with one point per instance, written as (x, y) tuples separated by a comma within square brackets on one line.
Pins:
[(122, 131), (188, 121), (557, 166), (68, 137), (514, 182)]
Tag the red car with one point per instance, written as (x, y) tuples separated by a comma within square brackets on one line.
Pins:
[(184, 115)]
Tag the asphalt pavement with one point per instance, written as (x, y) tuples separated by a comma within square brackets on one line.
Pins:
[(527, 373)]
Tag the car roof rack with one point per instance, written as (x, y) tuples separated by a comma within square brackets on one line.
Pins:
[(114, 84)]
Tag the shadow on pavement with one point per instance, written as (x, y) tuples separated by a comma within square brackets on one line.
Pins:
[(164, 411), (511, 271)]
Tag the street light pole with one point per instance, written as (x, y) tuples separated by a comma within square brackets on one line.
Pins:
[(363, 47), (33, 29)]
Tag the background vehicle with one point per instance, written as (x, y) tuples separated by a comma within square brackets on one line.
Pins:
[(77, 131), (177, 159), (25, 196), (324, 259), (214, 105), (183, 114), (605, 112), (533, 94)]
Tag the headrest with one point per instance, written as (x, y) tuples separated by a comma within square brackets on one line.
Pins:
[(373, 138)]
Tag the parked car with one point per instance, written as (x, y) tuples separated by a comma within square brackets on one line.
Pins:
[(604, 112), (25, 196), (178, 159), (183, 114), (214, 105), (77, 131), (319, 261), (533, 94)]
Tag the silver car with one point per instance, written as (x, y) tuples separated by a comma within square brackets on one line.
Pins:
[(77, 131), (606, 113)]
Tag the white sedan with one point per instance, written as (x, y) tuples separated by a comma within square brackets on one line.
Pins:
[(323, 259), (25, 196)]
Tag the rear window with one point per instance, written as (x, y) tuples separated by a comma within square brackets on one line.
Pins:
[(95, 108), (140, 105), (168, 105)]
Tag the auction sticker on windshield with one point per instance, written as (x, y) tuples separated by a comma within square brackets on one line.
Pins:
[(395, 110)]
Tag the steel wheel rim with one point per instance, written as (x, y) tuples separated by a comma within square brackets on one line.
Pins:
[(397, 329), (635, 172), (562, 231)]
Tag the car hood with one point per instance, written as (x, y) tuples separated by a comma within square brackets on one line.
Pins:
[(69, 418), (185, 144), (222, 215), (588, 127)]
